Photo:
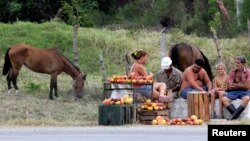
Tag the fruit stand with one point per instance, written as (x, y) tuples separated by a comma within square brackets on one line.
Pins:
[(128, 83)]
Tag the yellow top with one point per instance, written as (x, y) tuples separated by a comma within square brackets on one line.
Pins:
[(221, 84)]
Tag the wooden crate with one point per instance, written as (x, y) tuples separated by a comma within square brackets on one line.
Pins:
[(168, 105), (198, 104), (115, 114), (146, 117)]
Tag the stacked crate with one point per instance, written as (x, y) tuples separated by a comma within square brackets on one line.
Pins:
[(146, 116), (115, 114)]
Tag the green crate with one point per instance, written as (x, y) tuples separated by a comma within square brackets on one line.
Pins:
[(115, 114)]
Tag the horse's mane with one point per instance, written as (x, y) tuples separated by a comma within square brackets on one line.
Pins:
[(67, 59)]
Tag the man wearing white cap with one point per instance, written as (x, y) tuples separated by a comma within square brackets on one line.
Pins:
[(170, 75)]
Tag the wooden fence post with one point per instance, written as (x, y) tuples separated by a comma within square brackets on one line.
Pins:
[(128, 63), (217, 47), (103, 69), (163, 42), (248, 25), (75, 46)]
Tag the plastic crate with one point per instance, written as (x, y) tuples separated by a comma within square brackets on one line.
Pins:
[(115, 114)]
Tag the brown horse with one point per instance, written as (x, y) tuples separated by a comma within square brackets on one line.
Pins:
[(183, 55), (49, 61)]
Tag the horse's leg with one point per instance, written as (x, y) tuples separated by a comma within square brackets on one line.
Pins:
[(14, 71), (51, 90), (9, 79), (14, 81), (53, 86)]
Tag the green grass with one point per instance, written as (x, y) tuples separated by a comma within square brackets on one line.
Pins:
[(34, 108)]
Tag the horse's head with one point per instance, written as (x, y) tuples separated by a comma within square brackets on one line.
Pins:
[(78, 85)]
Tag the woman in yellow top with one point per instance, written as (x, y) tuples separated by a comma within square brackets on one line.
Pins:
[(138, 69), (219, 88)]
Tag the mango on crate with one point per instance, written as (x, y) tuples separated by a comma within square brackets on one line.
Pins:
[(132, 78), (106, 101), (113, 101), (149, 105), (127, 99)]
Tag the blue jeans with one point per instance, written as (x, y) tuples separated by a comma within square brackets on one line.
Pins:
[(145, 90), (237, 94), (189, 89)]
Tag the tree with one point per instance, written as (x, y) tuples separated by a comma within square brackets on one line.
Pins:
[(77, 11), (214, 24)]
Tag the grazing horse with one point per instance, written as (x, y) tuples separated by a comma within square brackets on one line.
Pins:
[(49, 61), (184, 55)]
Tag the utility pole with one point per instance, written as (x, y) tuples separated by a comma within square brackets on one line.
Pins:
[(163, 42), (248, 25)]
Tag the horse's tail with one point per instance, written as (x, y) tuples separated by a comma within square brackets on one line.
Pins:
[(207, 66), (7, 64), (173, 54)]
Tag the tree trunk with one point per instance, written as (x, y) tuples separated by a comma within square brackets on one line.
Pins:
[(223, 11), (163, 42), (75, 46), (238, 11), (248, 25), (217, 47), (128, 63), (103, 69)]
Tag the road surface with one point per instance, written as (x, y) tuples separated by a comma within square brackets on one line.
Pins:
[(105, 133)]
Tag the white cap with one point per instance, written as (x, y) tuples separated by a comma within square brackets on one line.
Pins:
[(166, 62)]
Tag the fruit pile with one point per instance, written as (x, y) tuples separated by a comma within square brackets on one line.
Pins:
[(118, 101), (149, 105), (159, 120), (193, 120), (134, 79)]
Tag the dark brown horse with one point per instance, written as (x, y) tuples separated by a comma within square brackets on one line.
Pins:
[(49, 61), (183, 55)]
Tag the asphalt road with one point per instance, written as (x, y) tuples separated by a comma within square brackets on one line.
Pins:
[(105, 133)]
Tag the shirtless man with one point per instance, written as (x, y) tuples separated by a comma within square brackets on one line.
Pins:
[(238, 87), (193, 79)]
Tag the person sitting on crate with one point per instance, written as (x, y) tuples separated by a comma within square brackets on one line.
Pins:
[(138, 69), (170, 75), (195, 78)]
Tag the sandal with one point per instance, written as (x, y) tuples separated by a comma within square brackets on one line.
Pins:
[(163, 98)]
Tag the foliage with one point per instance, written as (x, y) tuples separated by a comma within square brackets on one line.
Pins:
[(189, 15), (78, 12), (245, 16), (215, 23), (31, 87), (28, 10)]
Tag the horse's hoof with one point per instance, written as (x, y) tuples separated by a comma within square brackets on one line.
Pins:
[(51, 98)]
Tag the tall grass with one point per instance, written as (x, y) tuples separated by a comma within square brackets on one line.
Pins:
[(34, 108)]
